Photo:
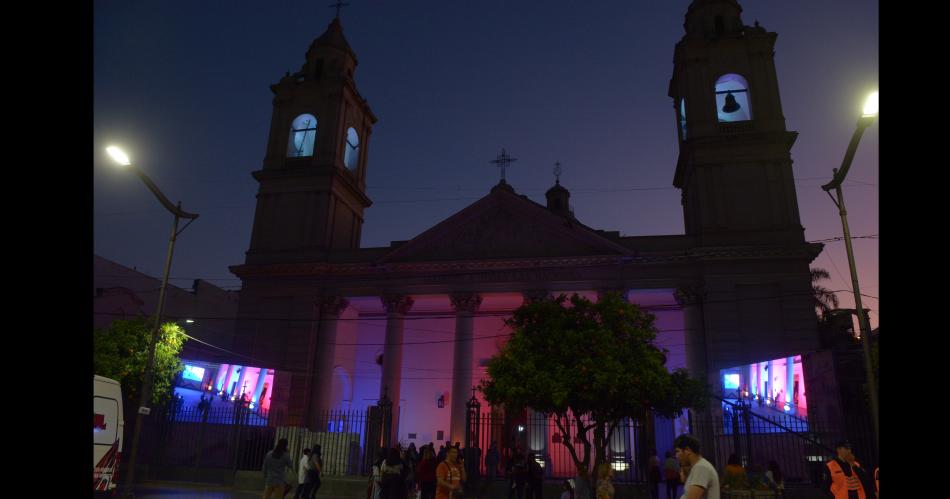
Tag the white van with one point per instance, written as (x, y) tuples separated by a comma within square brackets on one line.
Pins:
[(107, 425)]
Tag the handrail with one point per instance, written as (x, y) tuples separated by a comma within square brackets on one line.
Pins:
[(774, 423), (771, 407)]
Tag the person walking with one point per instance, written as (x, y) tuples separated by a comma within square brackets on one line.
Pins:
[(491, 461), (567, 489), (303, 476), (425, 474), (449, 476), (517, 475), (735, 476), (702, 481), (391, 471), (375, 488), (773, 475), (316, 471), (653, 474), (877, 484), (535, 475), (671, 475), (605, 482), (276, 461), (842, 479)]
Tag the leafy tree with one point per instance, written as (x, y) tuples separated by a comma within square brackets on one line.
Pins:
[(590, 365), (120, 352), (825, 299)]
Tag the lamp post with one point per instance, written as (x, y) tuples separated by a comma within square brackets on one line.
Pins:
[(122, 159), (870, 114)]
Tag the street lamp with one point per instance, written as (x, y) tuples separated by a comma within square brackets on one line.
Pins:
[(866, 119), (122, 159)]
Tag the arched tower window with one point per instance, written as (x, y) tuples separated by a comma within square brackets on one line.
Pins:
[(303, 131), (732, 98), (352, 155), (683, 117)]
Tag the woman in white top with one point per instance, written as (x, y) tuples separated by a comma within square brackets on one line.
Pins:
[(303, 482)]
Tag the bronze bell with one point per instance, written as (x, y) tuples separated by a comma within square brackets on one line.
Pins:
[(731, 104)]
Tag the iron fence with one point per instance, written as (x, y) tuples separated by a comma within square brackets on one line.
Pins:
[(800, 447), (235, 437), (539, 434)]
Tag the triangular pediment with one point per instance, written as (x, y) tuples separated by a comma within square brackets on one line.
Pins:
[(504, 224)]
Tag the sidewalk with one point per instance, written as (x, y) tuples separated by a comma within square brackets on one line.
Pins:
[(183, 490)]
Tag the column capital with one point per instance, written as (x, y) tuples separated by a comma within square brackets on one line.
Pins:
[(465, 302), (397, 304), (689, 294), (535, 295), (617, 289), (332, 304)]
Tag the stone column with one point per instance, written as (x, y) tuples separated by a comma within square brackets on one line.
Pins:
[(769, 386), (321, 386), (694, 336), (754, 384), (262, 375), (396, 308), (226, 384), (239, 387), (219, 379), (465, 305), (790, 383), (690, 298), (748, 379)]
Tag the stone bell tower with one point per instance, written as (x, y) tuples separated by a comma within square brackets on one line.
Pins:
[(734, 167), (313, 182)]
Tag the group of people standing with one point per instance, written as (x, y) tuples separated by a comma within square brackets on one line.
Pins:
[(278, 461), (401, 473), (844, 477)]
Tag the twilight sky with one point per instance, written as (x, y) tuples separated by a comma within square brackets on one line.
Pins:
[(183, 86)]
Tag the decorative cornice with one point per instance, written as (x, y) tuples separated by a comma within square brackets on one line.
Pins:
[(373, 269), (465, 302), (397, 304)]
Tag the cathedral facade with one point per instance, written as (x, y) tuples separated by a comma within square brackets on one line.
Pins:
[(416, 321)]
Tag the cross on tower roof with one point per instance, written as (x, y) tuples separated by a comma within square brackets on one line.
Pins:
[(557, 172), (339, 5), (503, 161)]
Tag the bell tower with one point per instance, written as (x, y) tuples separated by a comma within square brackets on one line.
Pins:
[(313, 182), (735, 167)]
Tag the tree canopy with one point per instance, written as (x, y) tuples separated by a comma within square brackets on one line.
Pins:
[(590, 365), (120, 352)]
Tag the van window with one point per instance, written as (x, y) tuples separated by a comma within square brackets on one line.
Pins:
[(105, 420)]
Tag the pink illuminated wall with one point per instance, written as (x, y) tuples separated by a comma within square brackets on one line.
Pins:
[(778, 381), (427, 356)]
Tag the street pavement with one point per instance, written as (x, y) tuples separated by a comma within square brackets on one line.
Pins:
[(184, 490)]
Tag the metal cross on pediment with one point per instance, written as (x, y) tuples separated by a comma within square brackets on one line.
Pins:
[(503, 161), (557, 172), (339, 5)]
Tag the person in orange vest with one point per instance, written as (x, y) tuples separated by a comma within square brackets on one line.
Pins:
[(844, 474)]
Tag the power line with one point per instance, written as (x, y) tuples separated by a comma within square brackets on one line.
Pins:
[(450, 315)]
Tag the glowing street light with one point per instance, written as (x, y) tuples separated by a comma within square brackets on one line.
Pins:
[(867, 118), (121, 158), (870, 105)]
